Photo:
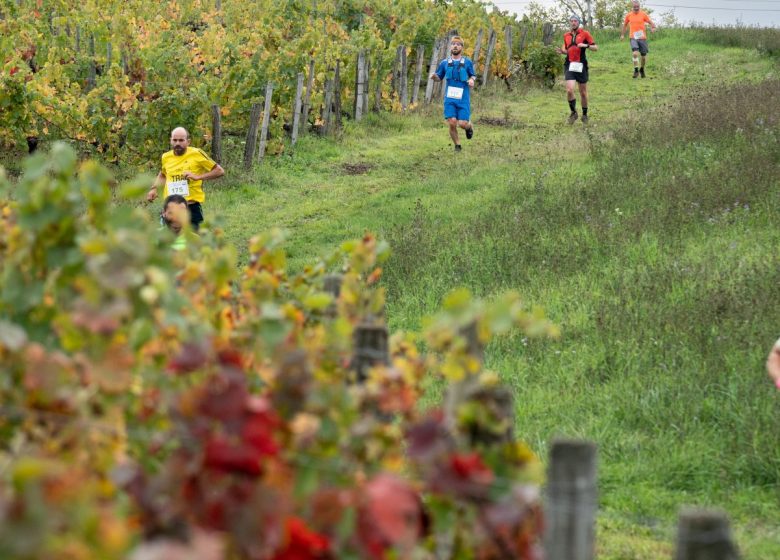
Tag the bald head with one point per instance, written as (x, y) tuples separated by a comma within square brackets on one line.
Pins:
[(180, 140), (179, 131), (635, 5)]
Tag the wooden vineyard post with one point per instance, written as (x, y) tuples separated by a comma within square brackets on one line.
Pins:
[(547, 34), (360, 85), (297, 108), (477, 48), (370, 349), (489, 56), (570, 507), (394, 83), (523, 39), (441, 86), (337, 95), (307, 100), (378, 88), (269, 91), (431, 69), (508, 40), (216, 134), (251, 136), (367, 74), (704, 535), (92, 73), (418, 73), (327, 106), (109, 48), (404, 75)]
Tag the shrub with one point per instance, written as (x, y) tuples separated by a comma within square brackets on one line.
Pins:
[(544, 64), (247, 413)]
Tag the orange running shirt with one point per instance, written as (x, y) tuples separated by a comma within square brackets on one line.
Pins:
[(636, 24)]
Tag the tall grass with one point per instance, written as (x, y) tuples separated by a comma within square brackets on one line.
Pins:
[(765, 40), (659, 257)]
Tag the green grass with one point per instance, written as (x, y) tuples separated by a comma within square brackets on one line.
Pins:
[(651, 237)]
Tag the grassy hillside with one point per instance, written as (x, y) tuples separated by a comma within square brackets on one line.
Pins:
[(650, 236)]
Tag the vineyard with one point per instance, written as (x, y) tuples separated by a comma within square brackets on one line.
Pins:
[(244, 399), (118, 77), (186, 405)]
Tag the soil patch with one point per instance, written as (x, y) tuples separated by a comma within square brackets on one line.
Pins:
[(496, 121), (360, 168)]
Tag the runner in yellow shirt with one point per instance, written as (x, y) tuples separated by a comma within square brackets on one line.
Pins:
[(183, 171), (636, 21)]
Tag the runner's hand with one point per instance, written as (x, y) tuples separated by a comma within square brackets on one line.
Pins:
[(190, 176), (151, 195)]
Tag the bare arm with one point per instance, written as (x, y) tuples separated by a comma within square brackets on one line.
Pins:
[(158, 181), (652, 25), (623, 31), (773, 364)]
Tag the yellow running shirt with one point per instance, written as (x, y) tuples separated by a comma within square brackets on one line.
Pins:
[(636, 25), (193, 160)]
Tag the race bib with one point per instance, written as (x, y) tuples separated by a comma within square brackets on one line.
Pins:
[(639, 35), (575, 67), (179, 187), (454, 92)]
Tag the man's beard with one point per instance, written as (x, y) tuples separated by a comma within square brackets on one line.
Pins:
[(179, 150)]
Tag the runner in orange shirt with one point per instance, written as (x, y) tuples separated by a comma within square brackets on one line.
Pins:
[(635, 21)]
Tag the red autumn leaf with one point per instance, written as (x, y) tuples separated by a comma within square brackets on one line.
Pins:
[(464, 475), (258, 432), (302, 543), (230, 358), (374, 277), (471, 467), (191, 358), (425, 438), (390, 517), (225, 455), (328, 506), (225, 398)]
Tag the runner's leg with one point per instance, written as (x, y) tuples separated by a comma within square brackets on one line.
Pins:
[(453, 122), (570, 96), (584, 98)]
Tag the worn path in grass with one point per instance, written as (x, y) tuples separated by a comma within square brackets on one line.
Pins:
[(410, 157), (656, 261)]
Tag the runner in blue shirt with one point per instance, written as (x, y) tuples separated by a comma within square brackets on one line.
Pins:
[(459, 73)]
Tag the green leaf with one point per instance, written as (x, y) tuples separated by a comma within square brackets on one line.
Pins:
[(317, 301), (12, 336), (136, 188)]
